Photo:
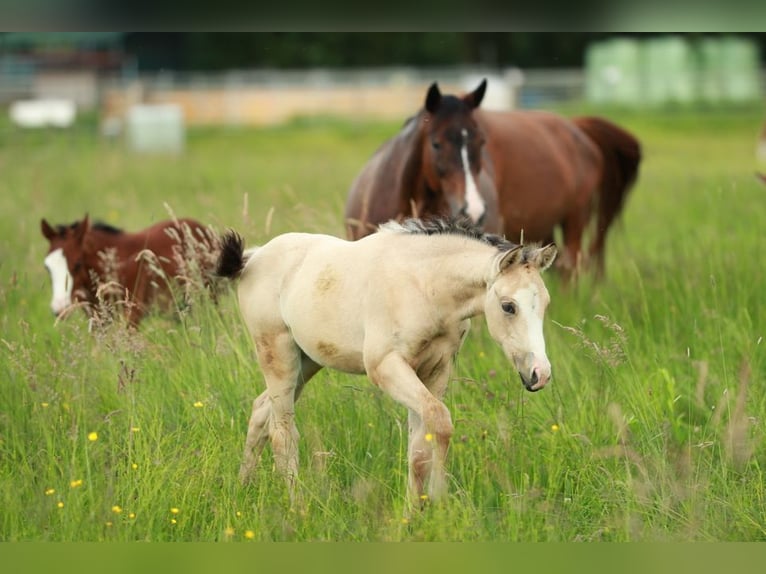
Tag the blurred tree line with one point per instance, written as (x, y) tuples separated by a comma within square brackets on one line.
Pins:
[(218, 51)]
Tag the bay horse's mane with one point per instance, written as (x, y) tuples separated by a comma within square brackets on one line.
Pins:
[(461, 226), (98, 226)]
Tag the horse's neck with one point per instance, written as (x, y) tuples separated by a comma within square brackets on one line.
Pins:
[(410, 172), (99, 244), (456, 273)]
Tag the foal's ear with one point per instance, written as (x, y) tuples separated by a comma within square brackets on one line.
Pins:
[(474, 98), (433, 98), (48, 232), (510, 257), (543, 257)]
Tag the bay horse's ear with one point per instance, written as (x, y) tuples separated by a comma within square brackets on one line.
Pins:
[(474, 98), (433, 98), (48, 232), (543, 257), (509, 258), (82, 228)]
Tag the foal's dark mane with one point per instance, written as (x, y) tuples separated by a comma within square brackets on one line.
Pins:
[(448, 226)]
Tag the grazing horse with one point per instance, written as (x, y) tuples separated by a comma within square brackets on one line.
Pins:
[(517, 173), (83, 259), (395, 305)]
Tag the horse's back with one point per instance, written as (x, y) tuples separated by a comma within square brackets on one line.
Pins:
[(545, 168)]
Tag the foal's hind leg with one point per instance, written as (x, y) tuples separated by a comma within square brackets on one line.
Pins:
[(273, 411)]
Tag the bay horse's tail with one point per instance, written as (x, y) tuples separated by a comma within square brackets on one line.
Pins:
[(622, 156), (232, 257)]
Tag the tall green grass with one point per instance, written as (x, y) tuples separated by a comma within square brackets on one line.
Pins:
[(653, 428)]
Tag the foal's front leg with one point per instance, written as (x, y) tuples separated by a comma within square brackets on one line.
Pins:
[(430, 424)]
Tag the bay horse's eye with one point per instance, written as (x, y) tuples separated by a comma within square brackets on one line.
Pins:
[(436, 145), (77, 266), (509, 307)]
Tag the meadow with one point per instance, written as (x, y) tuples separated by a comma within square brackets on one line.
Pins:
[(652, 430)]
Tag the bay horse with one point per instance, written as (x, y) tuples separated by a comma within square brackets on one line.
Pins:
[(519, 173), (84, 258), (395, 305)]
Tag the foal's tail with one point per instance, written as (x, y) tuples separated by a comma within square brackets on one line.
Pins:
[(622, 156), (232, 258)]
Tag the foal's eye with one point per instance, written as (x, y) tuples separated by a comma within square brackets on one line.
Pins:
[(509, 307), (77, 266)]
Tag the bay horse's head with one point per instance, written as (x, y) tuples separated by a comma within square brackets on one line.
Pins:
[(452, 155), (514, 308), (66, 263)]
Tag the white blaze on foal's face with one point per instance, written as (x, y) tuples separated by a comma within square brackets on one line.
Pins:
[(474, 204), (61, 280)]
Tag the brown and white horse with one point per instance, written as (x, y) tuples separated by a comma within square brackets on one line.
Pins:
[(395, 305), (84, 258), (518, 173)]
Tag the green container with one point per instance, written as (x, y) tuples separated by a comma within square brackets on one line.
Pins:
[(712, 71), (740, 70), (670, 70), (612, 72)]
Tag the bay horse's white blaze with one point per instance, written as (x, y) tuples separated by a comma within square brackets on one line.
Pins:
[(395, 305), (61, 281), (475, 206)]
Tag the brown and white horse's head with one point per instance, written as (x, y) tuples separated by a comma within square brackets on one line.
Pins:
[(452, 155), (65, 262)]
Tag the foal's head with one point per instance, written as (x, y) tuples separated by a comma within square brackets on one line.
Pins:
[(514, 307), (66, 263), (452, 150)]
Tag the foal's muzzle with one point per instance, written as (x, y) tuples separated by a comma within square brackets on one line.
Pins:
[(535, 381)]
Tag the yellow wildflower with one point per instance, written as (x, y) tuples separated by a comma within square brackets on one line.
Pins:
[(198, 405), (132, 515), (249, 534), (76, 483), (173, 521), (49, 491), (60, 504), (44, 405), (116, 509), (174, 510), (134, 466), (554, 428), (93, 436)]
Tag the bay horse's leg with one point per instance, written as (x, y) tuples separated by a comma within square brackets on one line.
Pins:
[(430, 424), (573, 228)]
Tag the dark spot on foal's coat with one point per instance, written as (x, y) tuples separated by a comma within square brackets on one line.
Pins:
[(326, 280), (327, 350)]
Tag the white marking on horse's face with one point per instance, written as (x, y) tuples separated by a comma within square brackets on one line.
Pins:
[(61, 280), (520, 333), (474, 204)]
